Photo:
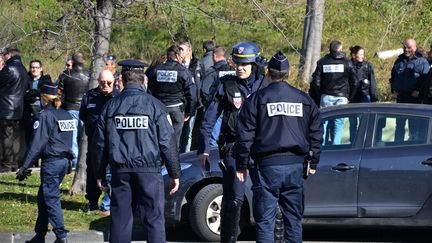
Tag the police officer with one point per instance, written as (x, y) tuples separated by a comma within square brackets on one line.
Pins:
[(135, 136), (335, 82), (172, 83), (277, 127), (91, 106), (228, 99), (51, 141)]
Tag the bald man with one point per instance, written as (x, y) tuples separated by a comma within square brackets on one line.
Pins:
[(407, 78), (91, 106)]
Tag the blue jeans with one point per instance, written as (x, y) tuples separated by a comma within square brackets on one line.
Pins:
[(337, 130), (76, 138), (216, 132), (49, 205), (275, 184), (106, 199)]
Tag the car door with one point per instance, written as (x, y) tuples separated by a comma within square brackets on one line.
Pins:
[(395, 175), (332, 191)]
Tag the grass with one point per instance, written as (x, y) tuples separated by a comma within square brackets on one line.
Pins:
[(18, 206)]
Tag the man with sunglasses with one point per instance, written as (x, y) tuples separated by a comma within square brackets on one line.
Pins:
[(91, 106)]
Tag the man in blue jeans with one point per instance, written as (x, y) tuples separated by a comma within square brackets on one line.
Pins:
[(335, 80), (73, 85)]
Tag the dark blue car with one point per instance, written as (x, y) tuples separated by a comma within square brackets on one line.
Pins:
[(378, 175)]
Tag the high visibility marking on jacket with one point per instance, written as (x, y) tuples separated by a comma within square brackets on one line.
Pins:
[(67, 125), (285, 109), (224, 73), (131, 122), (165, 76), (333, 68)]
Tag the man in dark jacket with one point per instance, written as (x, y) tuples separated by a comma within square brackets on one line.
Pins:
[(32, 103), (73, 85), (334, 80), (408, 75), (135, 136), (14, 81), (91, 106)]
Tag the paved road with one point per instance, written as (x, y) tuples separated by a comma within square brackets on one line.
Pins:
[(184, 234)]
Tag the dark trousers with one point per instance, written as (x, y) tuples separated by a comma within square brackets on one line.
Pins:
[(400, 122), (233, 189), (275, 184), (92, 190), (12, 144), (49, 205), (146, 192), (177, 119)]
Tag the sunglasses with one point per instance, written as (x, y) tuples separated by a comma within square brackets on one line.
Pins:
[(109, 83)]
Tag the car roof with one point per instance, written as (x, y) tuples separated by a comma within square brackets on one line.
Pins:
[(419, 109)]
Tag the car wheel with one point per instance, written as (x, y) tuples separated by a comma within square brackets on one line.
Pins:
[(205, 211)]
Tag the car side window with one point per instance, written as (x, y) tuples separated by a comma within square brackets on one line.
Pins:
[(397, 130), (340, 131)]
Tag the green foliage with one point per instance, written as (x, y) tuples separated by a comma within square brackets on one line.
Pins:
[(146, 28), (18, 205)]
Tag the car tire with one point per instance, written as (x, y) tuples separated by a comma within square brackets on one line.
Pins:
[(205, 212)]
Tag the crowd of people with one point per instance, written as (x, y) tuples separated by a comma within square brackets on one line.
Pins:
[(137, 119)]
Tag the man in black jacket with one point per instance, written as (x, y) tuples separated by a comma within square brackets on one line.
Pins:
[(14, 81), (73, 85), (334, 80), (32, 103)]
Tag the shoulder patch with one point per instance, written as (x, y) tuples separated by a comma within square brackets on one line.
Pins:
[(285, 109), (67, 125), (131, 122), (166, 76), (35, 125)]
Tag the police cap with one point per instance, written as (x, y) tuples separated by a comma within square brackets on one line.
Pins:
[(279, 62), (111, 57), (132, 65), (50, 89)]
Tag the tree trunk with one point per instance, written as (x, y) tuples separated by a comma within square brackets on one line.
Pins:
[(103, 22), (80, 177), (102, 16), (312, 32)]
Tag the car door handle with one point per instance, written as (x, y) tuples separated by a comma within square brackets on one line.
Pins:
[(343, 167), (427, 162)]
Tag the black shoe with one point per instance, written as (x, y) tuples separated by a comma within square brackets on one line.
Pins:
[(61, 240), (37, 239)]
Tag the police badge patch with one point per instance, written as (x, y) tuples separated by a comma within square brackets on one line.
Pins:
[(237, 101)]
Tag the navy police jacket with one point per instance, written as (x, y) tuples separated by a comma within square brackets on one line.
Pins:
[(52, 136), (278, 120), (229, 97), (91, 106), (134, 134), (173, 84), (408, 75)]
